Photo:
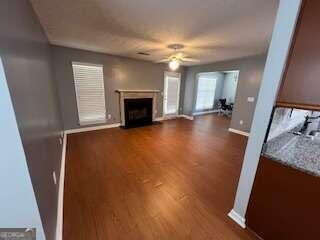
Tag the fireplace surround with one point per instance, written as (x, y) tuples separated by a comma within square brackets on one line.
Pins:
[(137, 107)]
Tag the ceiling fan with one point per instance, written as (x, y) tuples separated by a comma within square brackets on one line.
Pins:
[(177, 58)]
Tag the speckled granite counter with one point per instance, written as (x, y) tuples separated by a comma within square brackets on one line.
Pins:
[(296, 151)]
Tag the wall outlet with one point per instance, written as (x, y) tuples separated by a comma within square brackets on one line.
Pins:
[(241, 122), (54, 177), (109, 116), (250, 99)]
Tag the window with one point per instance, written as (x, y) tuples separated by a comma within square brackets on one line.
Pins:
[(89, 87), (206, 92)]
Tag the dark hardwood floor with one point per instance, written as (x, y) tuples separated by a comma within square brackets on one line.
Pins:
[(175, 180)]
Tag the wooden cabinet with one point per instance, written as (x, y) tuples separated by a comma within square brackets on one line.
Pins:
[(301, 82), (284, 204)]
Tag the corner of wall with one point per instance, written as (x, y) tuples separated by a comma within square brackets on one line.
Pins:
[(18, 206), (287, 16)]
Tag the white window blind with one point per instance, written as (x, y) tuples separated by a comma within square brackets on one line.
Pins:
[(172, 91), (89, 86), (205, 94)]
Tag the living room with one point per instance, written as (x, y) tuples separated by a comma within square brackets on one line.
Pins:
[(137, 120)]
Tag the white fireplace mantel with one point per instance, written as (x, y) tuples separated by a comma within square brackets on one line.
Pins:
[(127, 94)]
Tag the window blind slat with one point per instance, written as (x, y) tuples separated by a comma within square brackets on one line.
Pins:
[(90, 93)]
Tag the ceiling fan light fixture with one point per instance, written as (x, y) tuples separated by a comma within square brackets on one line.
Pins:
[(174, 64)]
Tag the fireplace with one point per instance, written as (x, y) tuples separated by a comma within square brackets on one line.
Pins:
[(137, 107), (138, 112)]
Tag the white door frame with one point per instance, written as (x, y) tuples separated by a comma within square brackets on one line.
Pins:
[(176, 75)]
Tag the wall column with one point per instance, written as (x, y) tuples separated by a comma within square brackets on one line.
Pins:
[(285, 23)]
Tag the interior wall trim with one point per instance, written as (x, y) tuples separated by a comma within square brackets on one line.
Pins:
[(174, 117), (239, 132), (159, 119), (237, 218), (205, 112), (168, 117), (187, 117), (93, 128), (59, 226)]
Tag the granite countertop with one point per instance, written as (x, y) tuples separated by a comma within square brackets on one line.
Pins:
[(297, 151)]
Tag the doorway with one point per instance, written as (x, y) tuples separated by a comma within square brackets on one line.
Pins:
[(171, 94), (216, 92)]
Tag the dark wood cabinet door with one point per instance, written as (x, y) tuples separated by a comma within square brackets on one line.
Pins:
[(301, 83), (284, 203)]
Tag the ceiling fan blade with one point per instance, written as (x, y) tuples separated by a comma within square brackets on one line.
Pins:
[(164, 60), (186, 59)]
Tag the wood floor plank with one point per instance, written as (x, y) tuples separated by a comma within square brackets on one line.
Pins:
[(175, 180)]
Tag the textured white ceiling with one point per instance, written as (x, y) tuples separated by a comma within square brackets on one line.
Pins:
[(211, 30)]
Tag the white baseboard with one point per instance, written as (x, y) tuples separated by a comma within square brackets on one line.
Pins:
[(174, 117), (159, 119), (87, 129), (59, 226), (206, 112), (169, 117), (114, 125), (239, 132), (186, 117), (237, 218)]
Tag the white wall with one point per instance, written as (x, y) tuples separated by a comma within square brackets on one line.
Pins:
[(18, 206), (278, 51)]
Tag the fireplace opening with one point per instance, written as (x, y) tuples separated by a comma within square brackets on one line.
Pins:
[(138, 112)]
